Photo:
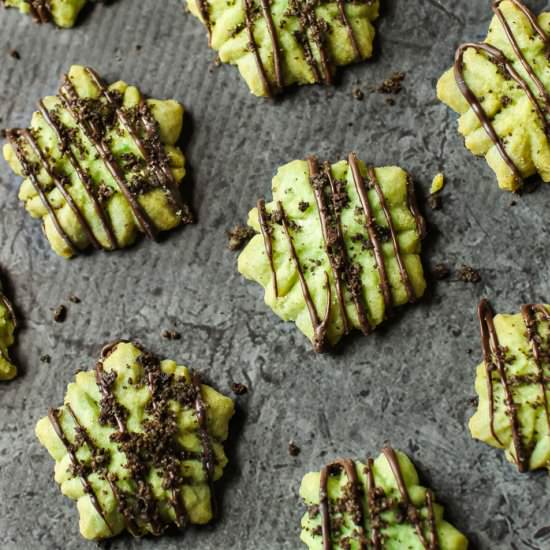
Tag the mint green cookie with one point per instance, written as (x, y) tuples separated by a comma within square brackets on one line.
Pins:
[(278, 43), (62, 12), (500, 89), (138, 444), (7, 330), (101, 164), (513, 384), (380, 504), (338, 248)]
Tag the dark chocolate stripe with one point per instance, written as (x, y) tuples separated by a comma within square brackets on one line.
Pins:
[(130, 525), (303, 41), (412, 513), (40, 11), (266, 231), (371, 229), (106, 392), (492, 351), (499, 58), (253, 47), (412, 205), (158, 166), (376, 538), (61, 188), (517, 50), (88, 489), (277, 61), (208, 458), (85, 178), (434, 540), (402, 270), (348, 466), (13, 138), (357, 297), (529, 318), (349, 29), (318, 193), (205, 16), (319, 327), (69, 97)]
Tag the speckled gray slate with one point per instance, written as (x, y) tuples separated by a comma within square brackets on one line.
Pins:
[(410, 383)]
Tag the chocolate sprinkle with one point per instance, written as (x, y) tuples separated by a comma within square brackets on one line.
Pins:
[(239, 236), (468, 274)]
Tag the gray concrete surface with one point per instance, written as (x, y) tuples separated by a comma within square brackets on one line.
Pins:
[(410, 383)]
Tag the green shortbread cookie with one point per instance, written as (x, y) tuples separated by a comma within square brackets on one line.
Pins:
[(138, 444), (513, 384), (500, 88), (338, 247), (62, 12), (8, 324), (380, 505), (278, 43), (100, 164)]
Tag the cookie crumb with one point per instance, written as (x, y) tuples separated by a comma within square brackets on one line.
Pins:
[(438, 183), (74, 299), (392, 85), (293, 449), (60, 314), (14, 54), (239, 236), (390, 101), (46, 358), (440, 272), (303, 206), (171, 335), (358, 94), (238, 388), (468, 274), (138, 47)]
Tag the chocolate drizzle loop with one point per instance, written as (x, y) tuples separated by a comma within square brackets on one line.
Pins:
[(494, 360), (500, 60), (377, 501)]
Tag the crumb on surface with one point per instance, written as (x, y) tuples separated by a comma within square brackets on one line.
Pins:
[(74, 299), (239, 389), (392, 85), (468, 274), (239, 236), (171, 335), (46, 358), (14, 54), (357, 93), (434, 202), (60, 313), (293, 449), (440, 271)]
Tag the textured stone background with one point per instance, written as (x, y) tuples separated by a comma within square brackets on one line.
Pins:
[(411, 383)]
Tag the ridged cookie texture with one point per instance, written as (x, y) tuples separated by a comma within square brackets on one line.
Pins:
[(338, 247), (513, 384), (278, 43), (101, 164), (138, 444), (379, 505), (8, 324), (500, 88), (62, 12)]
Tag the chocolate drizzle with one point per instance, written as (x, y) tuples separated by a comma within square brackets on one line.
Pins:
[(348, 466), (498, 57), (320, 327), (155, 446), (411, 512), (494, 360), (93, 119), (331, 199), (72, 103), (53, 415), (335, 246), (266, 231), (29, 171), (529, 313), (378, 502), (313, 30)]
